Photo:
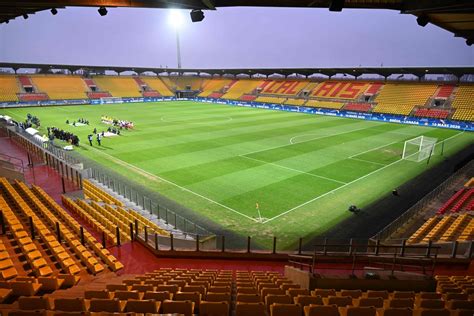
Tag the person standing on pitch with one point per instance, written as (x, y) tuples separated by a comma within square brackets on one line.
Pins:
[(98, 139), (89, 137)]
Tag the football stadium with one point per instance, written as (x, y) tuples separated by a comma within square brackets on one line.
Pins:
[(274, 189)]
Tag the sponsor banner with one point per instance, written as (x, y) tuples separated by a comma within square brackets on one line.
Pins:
[(400, 119)]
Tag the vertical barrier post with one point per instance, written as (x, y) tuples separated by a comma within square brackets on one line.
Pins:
[(156, 241), (455, 249), (300, 245), (248, 243), (428, 250), (58, 232), (175, 221), (2, 223), (171, 242), (103, 240), (32, 227), (81, 229), (117, 234), (325, 248), (350, 246), (131, 231), (63, 184), (146, 234), (223, 243), (274, 245), (377, 247), (136, 228), (197, 242), (471, 249), (402, 250)]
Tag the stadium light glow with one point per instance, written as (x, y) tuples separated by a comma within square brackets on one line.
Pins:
[(176, 19)]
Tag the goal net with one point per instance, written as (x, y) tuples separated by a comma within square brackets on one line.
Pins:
[(419, 148), (110, 100)]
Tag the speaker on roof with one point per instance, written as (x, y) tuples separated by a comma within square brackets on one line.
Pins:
[(197, 15), (336, 5), (423, 20)]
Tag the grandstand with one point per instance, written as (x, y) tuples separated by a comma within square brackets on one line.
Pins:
[(118, 86), (241, 88), (283, 87), (8, 88), (214, 85), (59, 87), (157, 85), (397, 98)]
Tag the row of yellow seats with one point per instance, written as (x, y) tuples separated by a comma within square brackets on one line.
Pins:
[(90, 240), (55, 247), (324, 104), (89, 217), (7, 268), (274, 100), (158, 85), (464, 114), (126, 217), (124, 227), (146, 222), (423, 230), (456, 228), (86, 256), (90, 188), (468, 232), (437, 231), (296, 102), (9, 88), (463, 97), (28, 247), (108, 227)]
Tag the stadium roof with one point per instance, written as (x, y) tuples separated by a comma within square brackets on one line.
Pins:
[(352, 71), (456, 16)]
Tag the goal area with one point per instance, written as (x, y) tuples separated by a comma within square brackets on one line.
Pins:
[(111, 100), (419, 148)]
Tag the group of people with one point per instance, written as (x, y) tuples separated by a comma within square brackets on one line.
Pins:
[(30, 121), (80, 120), (98, 137), (115, 122), (54, 132)]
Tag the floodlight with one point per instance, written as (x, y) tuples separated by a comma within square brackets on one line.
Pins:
[(197, 15), (422, 20), (54, 11), (176, 19), (102, 11)]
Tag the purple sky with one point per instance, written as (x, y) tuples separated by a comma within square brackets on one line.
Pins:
[(232, 38)]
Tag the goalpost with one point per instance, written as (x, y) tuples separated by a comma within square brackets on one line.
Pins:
[(419, 148), (111, 100)]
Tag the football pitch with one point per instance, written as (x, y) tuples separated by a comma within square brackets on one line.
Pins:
[(302, 170)]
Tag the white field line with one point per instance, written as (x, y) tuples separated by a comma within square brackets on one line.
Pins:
[(347, 184), (332, 191), (372, 149), (292, 143), (139, 170), (363, 160), (296, 170)]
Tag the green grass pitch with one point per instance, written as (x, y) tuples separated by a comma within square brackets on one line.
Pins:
[(303, 170)]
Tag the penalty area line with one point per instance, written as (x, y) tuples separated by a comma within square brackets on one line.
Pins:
[(332, 191), (144, 172)]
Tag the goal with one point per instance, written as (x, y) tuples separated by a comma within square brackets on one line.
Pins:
[(110, 100), (419, 148)]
